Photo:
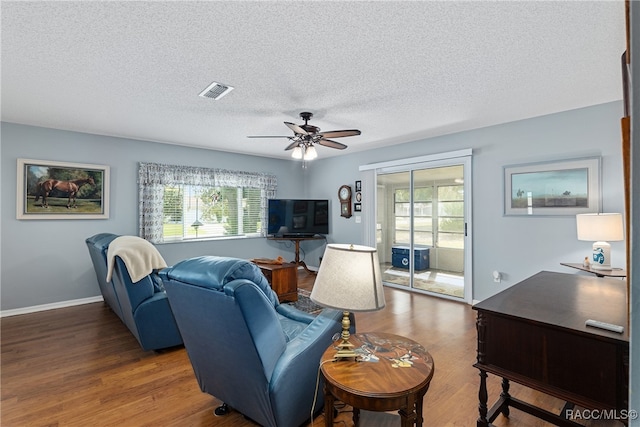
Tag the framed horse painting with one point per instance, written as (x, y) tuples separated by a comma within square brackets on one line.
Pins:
[(61, 190)]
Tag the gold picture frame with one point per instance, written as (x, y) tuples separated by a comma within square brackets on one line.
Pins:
[(61, 190)]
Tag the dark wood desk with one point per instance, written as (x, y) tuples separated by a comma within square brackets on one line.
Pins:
[(534, 333), (614, 272), (398, 380), (296, 241)]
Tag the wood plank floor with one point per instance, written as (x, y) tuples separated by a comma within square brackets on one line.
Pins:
[(80, 366)]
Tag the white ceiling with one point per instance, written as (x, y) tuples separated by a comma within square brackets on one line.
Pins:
[(398, 71)]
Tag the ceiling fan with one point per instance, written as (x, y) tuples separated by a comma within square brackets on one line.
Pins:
[(306, 136)]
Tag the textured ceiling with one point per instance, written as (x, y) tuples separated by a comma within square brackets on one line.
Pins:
[(398, 71)]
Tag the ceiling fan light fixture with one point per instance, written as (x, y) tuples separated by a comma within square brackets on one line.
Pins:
[(310, 153), (216, 91), (297, 153), (305, 136)]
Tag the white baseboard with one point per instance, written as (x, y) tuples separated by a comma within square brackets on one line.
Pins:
[(52, 306)]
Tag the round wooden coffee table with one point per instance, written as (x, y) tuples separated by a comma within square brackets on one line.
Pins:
[(394, 375)]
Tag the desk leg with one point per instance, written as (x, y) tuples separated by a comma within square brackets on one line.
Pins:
[(505, 396), (483, 397), (565, 409)]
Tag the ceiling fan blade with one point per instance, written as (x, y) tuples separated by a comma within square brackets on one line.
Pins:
[(297, 129), (291, 146), (340, 133), (264, 136), (332, 144)]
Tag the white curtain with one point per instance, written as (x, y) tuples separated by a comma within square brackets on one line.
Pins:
[(153, 177)]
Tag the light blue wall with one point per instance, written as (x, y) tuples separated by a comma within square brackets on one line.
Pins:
[(46, 261), (516, 246)]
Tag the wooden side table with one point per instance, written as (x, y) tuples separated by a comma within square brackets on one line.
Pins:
[(614, 272), (397, 378), (283, 279)]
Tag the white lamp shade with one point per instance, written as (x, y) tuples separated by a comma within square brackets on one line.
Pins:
[(600, 227), (349, 279), (297, 153), (310, 153)]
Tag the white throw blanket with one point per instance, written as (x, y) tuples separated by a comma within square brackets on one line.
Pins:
[(140, 257)]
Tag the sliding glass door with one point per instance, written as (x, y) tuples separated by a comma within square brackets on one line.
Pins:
[(422, 225)]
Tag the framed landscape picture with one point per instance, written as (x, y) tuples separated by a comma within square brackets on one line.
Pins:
[(61, 190), (566, 187)]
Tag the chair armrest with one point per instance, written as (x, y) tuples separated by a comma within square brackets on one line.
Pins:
[(294, 314), (292, 385), (155, 323)]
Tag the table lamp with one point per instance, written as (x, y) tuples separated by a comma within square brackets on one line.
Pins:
[(600, 228), (349, 279)]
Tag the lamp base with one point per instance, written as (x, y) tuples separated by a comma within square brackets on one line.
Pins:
[(345, 348), (345, 351), (601, 259)]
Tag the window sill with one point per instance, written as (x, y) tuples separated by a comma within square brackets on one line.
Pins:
[(210, 239)]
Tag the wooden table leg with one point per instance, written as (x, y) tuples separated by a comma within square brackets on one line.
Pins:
[(419, 405), (408, 416), (328, 408), (297, 261), (483, 397)]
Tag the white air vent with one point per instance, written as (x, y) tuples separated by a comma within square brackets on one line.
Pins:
[(216, 91)]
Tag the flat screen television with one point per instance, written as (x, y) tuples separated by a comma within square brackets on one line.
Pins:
[(298, 217)]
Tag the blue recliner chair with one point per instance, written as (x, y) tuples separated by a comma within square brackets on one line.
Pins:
[(142, 306), (259, 357), (98, 246)]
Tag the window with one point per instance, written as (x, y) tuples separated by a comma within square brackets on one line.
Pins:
[(450, 216), (180, 203), (422, 220), (194, 212)]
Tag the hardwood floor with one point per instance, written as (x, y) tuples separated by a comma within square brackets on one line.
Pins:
[(80, 366)]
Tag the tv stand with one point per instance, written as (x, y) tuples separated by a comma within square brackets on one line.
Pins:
[(296, 235), (296, 241)]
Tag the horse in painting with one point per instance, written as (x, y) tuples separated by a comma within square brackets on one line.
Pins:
[(70, 187)]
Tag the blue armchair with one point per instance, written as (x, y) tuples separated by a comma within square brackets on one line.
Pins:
[(98, 246), (142, 306), (259, 357)]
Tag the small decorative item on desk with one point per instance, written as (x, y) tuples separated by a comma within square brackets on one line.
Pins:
[(586, 263), (277, 261)]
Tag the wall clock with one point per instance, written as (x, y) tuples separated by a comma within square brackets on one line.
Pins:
[(344, 194)]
